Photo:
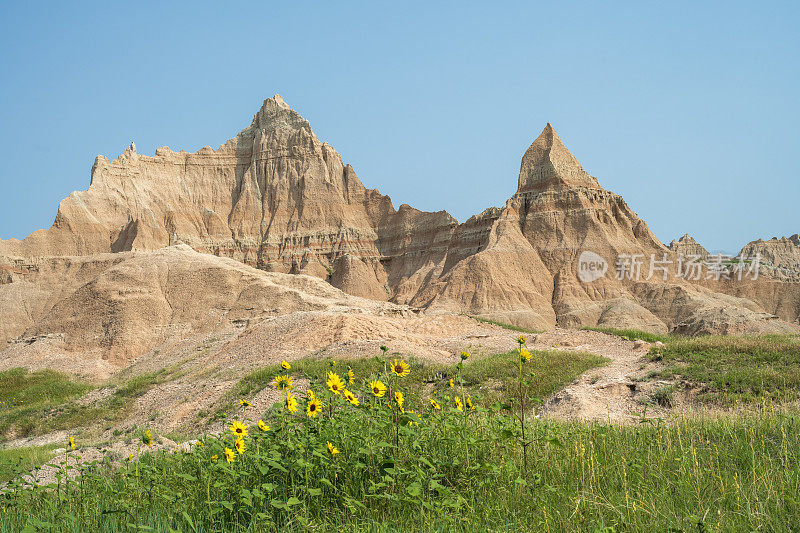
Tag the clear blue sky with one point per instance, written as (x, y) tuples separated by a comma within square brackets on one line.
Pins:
[(688, 109)]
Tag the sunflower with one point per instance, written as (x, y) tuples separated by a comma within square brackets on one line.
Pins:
[(313, 407), (435, 404), (291, 402), (378, 388), (239, 429), (262, 426), (148, 438), (214, 458), (398, 398), (229, 455), (469, 402), (400, 368), (72, 443), (332, 449), (452, 385), (524, 354), (285, 365), (335, 383), (465, 355), (239, 445), (350, 397), (522, 339), (245, 403), (283, 382), (351, 376), (458, 404), (130, 458)]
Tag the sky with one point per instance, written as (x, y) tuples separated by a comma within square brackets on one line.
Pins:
[(689, 110)]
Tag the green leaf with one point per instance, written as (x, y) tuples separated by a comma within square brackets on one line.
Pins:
[(414, 489), (292, 501), (314, 492), (189, 520)]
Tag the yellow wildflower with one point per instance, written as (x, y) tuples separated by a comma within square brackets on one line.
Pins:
[(239, 445), (469, 402), (214, 458), (522, 339), (239, 429), (291, 402), (262, 426), (285, 365), (283, 382), (457, 402), (335, 383), (229, 455), (350, 397), (378, 388), (130, 457), (313, 407), (148, 438), (435, 404), (351, 376), (398, 398), (72, 443), (524, 354), (245, 403), (400, 368), (465, 355), (412, 422), (452, 385), (332, 449)]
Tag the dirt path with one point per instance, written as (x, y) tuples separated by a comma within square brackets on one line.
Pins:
[(608, 393)]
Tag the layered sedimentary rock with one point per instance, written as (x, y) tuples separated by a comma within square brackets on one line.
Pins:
[(687, 246), (278, 199)]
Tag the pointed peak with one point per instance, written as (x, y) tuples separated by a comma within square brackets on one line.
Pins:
[(547, 164), (275, 113)]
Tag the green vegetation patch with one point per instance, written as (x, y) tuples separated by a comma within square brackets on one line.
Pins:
[(735, 369), (504, 325), (35, 402), (634, 334), (484, 376), (446, 471), (14, 461)]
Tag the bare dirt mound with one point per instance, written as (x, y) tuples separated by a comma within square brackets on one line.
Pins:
[(610, 393)]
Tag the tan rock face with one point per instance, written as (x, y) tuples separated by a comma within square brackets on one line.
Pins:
[(278, 199)]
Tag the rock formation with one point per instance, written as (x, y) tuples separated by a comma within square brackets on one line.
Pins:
[(120, 254), (687, 246)]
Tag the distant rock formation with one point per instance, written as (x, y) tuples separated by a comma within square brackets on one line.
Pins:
[(278, 199), (687, 246)]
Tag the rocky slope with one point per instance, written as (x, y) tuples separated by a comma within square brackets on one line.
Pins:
[(120, 265)]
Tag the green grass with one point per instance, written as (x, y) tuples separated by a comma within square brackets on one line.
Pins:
[(15, 460), (735, 370), (34, 402), (723, 474), (633, 334), (504, 325), (488, 376)]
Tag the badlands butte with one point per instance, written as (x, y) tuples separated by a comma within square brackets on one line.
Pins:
[(271, 247)]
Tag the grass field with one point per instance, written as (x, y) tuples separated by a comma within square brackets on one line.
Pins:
[(473, 461), (735, 370), (449, 473)]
